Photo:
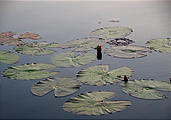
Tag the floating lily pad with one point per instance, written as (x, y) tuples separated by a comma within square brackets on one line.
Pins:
[(146, 89), (8, 57), (7, 35), (83, 44), (36, 48), (29, 35), (61, 86), (68, 59), (120, 42), (29, 71), (130, 51), (112, 32), (94, 103), (8, 38), (161, 45), (99, 75)]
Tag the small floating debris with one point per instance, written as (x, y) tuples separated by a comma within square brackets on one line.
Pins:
[(113, 20)]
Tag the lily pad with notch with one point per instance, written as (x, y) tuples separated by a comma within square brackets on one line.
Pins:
[(61, 86), (161, 45), (94, 103), (146, 89), (99, 75), (29, 71), (36, 48), (130, 51), (111, 32), (69, 59), (83, 44), (8, 57)]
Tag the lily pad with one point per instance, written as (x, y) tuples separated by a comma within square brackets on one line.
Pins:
[(61, 86), (130, 51), (7, 35), (68, 59), (29, 35), (36, 48), (99, 75), (94, 103), (9, 39), (83, 44), (161, 45), (112, 32), (146, 89), (8, 57), (29, 71)]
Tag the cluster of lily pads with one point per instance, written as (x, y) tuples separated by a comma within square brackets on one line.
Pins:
[(90, 103)]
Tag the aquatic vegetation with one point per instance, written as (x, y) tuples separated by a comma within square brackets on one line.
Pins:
[(36, 48), (29, 35), (61, 86), (99, 75), (9, 39), (29, 71), (94, 103), (130, 51), (120, 41), (161, 45), (146, 89), (83, 44), (69, 59), (111, 32), (8, 57)]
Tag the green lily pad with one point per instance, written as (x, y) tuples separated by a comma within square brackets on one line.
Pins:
[(99, 75), (68, 59), (130, 51), (112, 32), (94, 103), (146, 89), (61, 86), (29, 71), (161, 45), (36, 48), (8, 57), (83, 44), (29, 35)]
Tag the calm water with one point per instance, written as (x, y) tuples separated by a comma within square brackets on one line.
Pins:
[(63, 21)]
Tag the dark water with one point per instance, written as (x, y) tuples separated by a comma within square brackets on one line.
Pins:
[(63, 21)]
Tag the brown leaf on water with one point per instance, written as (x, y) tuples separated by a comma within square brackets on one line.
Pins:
[(113, 20), (29, 35), (9, 39)]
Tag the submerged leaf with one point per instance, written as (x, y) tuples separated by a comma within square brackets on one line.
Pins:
[(36, 48), (94, 103), (8, 57), (99, 75), (146, 89), (68, 59), (112, 32), (161, 45), (29, 71), (120, 42), (83, 44), (130, 51), (29, 35), (61, 86)]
